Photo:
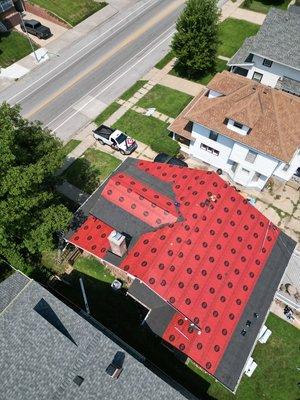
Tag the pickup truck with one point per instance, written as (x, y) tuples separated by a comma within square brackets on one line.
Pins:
[(116, 139), (35, 28)]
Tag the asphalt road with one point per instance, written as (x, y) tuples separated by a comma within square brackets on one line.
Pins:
[(65, 93)]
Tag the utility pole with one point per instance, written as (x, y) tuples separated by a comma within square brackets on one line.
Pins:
[(27, 34), (84, 296)]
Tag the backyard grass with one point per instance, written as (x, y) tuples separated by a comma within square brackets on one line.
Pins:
[(13, 47), (71, 11), (276, 373), (148, 130), (88, 171), (92, 267), (133, 89), (232, 34), (263, 6), (50, 262), (70, 146), (221, 65), (167, 101), (164, 61), (113, 107)]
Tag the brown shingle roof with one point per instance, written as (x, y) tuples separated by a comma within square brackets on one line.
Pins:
[(272, 115)]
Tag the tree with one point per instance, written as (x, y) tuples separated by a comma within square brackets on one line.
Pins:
[(196, 40), (31, 213)]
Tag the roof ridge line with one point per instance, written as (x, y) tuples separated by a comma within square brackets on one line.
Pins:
[(278, 124)]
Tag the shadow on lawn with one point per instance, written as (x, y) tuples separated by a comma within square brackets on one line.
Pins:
[(122, 316), (83, 175)]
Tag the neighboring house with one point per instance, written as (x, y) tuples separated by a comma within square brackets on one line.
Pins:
[(249, 130), (272, 56), (48, 351), (9, 13), (203, 262)]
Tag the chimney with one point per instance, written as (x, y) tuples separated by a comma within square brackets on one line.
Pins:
[(117, 243)]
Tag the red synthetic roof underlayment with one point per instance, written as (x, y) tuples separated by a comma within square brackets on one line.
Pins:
[(92, 236), (205, 266), (140, 200)]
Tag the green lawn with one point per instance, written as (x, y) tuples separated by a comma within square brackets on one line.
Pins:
[(133, 89), (71, 11), (164, 61), (167, 101), (50, 262), (13, 47), (263, 6), (276, 375), (233, 32), (107, 113), (88, 171), (148, 130), (70, 146), (92, 267), (221, 65)]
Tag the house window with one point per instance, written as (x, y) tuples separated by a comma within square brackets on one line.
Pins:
[(251, 156), (240, 71), (257, 76), (286, 167), (209, 149), (182, 140), (256, 177), (249, 59), (267, 63), (234, 166), (238, 125), (213, 136)]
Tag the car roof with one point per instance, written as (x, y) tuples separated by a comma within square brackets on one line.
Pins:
[(32, 21), (165, 158)]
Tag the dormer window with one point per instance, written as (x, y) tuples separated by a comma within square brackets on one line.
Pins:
[(237, 127), (211, 94), (267, 63)]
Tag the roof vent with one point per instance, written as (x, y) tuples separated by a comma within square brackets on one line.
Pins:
[(78, 380), (116, 366), (117, 243)]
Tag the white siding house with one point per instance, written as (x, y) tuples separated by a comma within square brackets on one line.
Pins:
[(249, 131), (246, 166), (272, 56)]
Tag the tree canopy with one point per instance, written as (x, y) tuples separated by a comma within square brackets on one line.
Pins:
[(31, 213), (196, 40)]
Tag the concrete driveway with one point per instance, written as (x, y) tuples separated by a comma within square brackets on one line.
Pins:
[(56, 30)]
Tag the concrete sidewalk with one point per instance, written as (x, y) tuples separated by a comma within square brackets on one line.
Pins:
[(248, 15), (72, 192)]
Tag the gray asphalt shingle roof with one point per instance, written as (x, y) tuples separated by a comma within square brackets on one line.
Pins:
[(44, 344), (277, 40)]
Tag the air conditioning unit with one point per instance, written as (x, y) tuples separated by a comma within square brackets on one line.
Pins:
[(117, 243)]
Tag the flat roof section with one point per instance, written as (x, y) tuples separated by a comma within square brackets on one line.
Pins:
[(160, 313)]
